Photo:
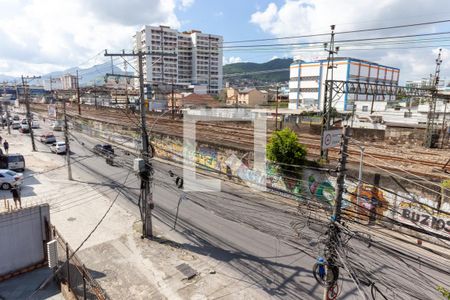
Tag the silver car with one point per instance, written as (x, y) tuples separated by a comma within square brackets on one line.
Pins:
[(9, 179)]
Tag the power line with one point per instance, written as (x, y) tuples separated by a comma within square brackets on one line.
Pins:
[(339, 41), (340, 32)]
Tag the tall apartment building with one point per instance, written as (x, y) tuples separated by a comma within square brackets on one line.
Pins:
[(69, 82), (197, 57), (307, 84)]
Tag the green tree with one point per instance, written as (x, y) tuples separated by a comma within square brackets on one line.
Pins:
[(284, 147)]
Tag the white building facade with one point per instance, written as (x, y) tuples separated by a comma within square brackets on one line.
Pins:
[(307, 84), (69, 82), (197, 58)]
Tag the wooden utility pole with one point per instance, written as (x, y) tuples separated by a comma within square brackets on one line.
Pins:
[(27, 105), (78, 94), (66, 136)]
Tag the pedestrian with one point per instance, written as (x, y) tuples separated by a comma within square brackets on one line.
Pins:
[(43, 119), (6, 146), (15, 191)]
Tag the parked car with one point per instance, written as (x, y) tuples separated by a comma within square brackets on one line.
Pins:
[(24, 128), (16, 118), (58, 147), (35, 124), (9, 178), (24, 121), (14, 161), (105, 149), (48, 138), (16, 125)]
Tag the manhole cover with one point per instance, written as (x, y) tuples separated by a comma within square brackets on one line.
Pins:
[(187, 271)]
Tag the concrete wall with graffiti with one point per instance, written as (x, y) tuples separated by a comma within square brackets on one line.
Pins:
[(374, 204)]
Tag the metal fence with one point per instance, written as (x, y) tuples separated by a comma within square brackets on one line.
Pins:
[(73, 273)]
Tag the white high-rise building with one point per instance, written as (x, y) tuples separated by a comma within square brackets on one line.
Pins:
[(197, 57)]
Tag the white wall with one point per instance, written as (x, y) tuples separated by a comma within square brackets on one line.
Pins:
[(21, 238)]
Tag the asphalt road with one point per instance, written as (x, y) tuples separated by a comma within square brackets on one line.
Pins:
[(262, 236)]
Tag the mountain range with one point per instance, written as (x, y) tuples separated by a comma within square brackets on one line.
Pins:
[(96, 73), (230, 71), (88, 76)]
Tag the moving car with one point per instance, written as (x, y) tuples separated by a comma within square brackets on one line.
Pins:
[(14, 161), (47, 138), (35, 124), (105, 149), (57, 126), (9, 178), (24, 128), (15, 125), (58, 147)]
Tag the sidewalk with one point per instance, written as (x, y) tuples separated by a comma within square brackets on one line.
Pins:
[(126, 266)]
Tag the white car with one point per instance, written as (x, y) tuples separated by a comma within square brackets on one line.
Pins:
[(58, 147), (9, 178), (35, 124)]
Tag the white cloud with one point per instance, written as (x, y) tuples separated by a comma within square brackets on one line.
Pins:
[(38, 36), (299, 17), (186, 3), (231, 60)]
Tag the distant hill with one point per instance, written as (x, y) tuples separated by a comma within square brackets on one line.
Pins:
[(89, 76), (248, 67)]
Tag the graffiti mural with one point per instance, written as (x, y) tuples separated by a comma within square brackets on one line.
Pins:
[(423, 216), (370, 204)]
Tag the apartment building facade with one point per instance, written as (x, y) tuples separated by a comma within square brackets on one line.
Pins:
[(307, 84), (183, 58), (69, 82)]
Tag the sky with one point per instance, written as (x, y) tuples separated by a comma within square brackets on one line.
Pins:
[(40, 36)]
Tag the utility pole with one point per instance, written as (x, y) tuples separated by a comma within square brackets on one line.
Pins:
[(146, 173), (328, 95), (1, 107), (428, 143), (173, 104), (276, 109), (333, 233), (66, 136), (443, 124), (27, 105), (78, 94)]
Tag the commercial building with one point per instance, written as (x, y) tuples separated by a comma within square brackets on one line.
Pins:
[(307, 84), (183, 58)]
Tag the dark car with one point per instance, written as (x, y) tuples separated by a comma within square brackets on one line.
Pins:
[(105, 149)]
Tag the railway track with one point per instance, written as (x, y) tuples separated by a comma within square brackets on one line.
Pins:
[(241, 137)]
